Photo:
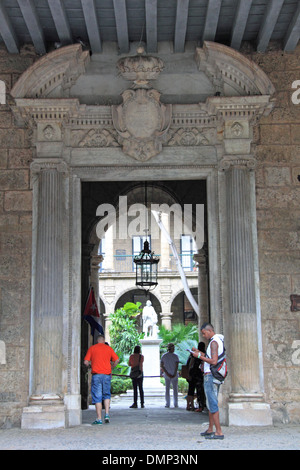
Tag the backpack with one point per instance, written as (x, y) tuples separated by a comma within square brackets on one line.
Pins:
[(219, 370)]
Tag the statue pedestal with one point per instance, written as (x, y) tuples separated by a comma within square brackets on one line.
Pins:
[(151, 383)]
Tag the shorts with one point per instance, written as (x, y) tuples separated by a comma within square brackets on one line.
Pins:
[(211, 391), (100, 387)]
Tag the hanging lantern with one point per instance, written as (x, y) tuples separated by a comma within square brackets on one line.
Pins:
[(146, 268)]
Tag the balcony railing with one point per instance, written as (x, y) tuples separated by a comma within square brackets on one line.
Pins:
[(124, 264)]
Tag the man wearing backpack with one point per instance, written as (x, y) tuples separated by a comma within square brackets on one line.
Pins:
[(211, 385)]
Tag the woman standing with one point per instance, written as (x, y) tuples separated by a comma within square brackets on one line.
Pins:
[(136, 363)]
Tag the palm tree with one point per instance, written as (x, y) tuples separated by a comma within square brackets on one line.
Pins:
[(183, 337)]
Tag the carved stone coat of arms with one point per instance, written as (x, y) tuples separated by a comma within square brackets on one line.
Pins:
[(141, 122)]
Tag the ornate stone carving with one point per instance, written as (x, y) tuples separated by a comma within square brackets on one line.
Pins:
[(237, 129), (48, 132), (192, 136), (61, 67), (141, 122), (140, 69), (226, 67), (98, 138)]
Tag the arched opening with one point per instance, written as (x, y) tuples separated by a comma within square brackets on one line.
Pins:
[(116, 274), (182, 310)]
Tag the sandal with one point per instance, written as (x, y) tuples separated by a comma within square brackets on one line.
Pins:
[(214, 436), (206, 433)]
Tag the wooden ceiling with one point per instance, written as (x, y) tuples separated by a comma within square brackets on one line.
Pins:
[(54, 23)]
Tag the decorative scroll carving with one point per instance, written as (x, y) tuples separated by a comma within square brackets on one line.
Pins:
[(98, 138), (225, 66), (60, 166), (61, 67), (188, 137)]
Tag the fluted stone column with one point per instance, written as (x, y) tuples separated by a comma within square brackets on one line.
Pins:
[(46, 378), (48, 292), (241, 283), (246, 398)]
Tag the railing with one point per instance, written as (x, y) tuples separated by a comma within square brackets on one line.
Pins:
[(124, 264)]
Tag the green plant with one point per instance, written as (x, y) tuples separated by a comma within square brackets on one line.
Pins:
[(183, 337), (178, 333), (182, 384), (181, 350), (123, 331), (120, 385), (122, 368)]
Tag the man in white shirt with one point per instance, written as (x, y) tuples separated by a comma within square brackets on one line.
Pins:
[(211, 387), (169, 365)]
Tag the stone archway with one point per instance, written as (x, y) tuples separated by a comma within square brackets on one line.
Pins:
[(74, 142)]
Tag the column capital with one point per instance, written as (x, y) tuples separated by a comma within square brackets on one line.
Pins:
[(50, 164), (247, 162)]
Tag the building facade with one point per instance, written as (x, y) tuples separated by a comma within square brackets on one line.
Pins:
[(209, 126)]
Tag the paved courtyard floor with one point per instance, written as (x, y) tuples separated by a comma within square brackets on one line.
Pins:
[(153, 428)]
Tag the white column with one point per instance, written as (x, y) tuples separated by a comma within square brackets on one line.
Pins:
[(108, 262), (164, 245)]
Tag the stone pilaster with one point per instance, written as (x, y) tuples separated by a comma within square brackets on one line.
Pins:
[(46, 377), (246, 399)]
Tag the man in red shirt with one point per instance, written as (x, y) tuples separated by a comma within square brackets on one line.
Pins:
[(102, 359)]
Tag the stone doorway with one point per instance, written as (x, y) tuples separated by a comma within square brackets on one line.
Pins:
[(115, 284), (198, 127)]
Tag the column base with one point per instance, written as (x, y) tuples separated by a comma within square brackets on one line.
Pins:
[(73, 411), (51, 412), (44, 417), (249, 410)]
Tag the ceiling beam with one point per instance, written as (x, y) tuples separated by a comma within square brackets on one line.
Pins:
[(151, 25), (61, 21), (211, 20), (33, 25), (7, 32), (293, 33), (268, 24), (182, 12), (239, 23), (92, 26), (121, 24)]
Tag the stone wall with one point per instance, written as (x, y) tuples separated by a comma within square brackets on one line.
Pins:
[(15, 247), (278, 209), (278, 222)]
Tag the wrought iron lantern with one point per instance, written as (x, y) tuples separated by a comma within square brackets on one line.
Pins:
[(146, 268)]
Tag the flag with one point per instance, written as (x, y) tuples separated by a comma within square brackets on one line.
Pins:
[(91, 314)]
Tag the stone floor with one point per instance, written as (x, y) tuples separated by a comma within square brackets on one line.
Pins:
[(153, 428)]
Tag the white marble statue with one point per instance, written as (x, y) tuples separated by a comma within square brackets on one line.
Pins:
[(149, 316)]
